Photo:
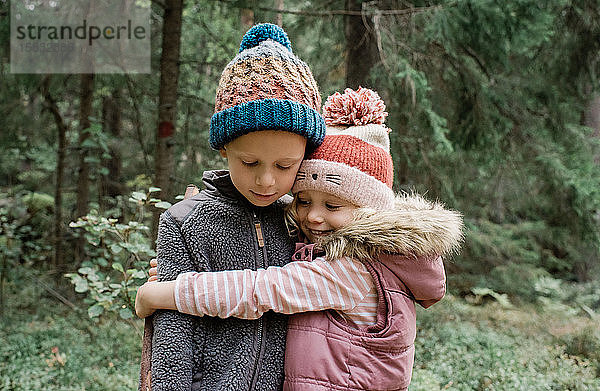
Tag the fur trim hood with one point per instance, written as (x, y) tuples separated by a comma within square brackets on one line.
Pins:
[(414, 227)]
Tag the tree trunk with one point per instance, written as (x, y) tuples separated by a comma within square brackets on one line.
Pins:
[(60, 172), (137, 124), (110, 184), (50, 104), (167, 101), (85, 110), (83, 179), (279, 16), (361, 46), (591, 118), (246, 18)]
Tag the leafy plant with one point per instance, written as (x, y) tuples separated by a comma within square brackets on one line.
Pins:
[(119, 255)]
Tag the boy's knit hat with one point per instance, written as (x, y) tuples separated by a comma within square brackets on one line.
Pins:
[(354, 161), (266, 87)]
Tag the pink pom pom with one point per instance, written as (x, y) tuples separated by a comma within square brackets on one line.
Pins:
[(361, 107)]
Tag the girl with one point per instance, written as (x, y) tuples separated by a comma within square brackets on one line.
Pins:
[(373, 256)]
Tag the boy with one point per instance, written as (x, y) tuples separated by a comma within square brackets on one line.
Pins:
[(266, 116)]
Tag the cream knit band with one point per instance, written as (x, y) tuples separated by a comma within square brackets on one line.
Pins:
[(374, 134), (343, 181)]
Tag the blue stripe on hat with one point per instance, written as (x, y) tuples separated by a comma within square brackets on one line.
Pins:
[(267, 114)]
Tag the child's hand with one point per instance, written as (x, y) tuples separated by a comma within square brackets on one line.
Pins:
[(152, 273), (153, 296), (142, 305)]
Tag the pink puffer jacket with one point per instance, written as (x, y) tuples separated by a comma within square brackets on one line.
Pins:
[(322, 353)]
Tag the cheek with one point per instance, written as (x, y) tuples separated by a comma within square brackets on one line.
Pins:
[(301, 213), (239, 174), (342, 219), (286, 178)]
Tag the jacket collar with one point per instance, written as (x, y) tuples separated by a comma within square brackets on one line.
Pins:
[(414, 227), (218, 183)]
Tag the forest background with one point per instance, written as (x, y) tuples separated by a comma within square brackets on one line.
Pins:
[(495, 110)]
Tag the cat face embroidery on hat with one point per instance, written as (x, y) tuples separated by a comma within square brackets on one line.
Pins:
[(335, 179), (345, 182)]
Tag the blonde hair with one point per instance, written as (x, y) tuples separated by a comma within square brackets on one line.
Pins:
[(291, 218)]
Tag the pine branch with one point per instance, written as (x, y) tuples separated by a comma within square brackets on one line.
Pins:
[(161, 4), (404, 11), (471, 53), (327, 13)]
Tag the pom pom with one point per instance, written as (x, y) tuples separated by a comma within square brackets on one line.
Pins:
[(262, 32), (360, 107)]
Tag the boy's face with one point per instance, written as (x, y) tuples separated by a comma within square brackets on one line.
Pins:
[(263, 164)]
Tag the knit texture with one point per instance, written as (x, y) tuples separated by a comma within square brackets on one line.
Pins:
[(353, 162), (354, 152), (266, 87), (215, 231), (360, 107)]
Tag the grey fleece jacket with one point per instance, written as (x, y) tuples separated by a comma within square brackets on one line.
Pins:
[(212, 231)]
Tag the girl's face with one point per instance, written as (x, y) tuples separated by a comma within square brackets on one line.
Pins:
[(320, 213), (263, 164)]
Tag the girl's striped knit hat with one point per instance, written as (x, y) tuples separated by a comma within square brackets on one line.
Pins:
[(354, 161), (266, 87)]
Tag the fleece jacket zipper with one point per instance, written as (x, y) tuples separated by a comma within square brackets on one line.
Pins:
[(261, 258)]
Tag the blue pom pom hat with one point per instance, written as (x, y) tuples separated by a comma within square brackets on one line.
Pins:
[(266, 87)]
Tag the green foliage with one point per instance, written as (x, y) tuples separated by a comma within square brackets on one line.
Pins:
[(418, 110), (462, 348), (25, 227), (459, 346), (507, 258), (481, 293), (569, 298), (584, 343), (521, 168), (486, 100), (52, 346), (119, 256), (96, 148), (53, 354)]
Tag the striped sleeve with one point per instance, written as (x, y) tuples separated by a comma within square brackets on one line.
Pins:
[(342, 285)]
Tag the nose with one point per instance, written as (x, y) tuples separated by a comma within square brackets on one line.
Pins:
[(314, 215), (265, 178)]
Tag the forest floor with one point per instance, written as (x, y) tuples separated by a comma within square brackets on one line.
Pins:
[(460, 346)]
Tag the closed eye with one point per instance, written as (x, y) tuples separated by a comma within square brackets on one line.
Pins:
[(302, 202), (249, 164), (332, 206)]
